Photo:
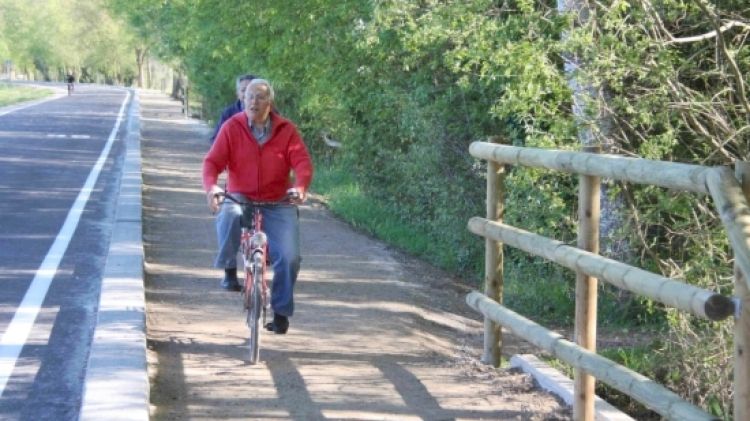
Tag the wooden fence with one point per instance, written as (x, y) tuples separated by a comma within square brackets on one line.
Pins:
[(729, 190)]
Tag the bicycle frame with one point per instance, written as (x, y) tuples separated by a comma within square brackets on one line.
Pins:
[(254, 243), (254, 249)]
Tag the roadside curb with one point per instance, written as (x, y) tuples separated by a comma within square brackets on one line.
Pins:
[(556, 383), (116, 386)]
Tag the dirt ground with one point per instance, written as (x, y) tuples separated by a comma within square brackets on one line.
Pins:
[(376, 335)]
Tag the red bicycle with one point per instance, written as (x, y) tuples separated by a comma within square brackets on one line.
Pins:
[(256, 295)]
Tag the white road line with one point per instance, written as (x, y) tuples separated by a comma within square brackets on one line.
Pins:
[(68, 136), (20, 327)]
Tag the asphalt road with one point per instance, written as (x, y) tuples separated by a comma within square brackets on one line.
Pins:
[(60, 163)]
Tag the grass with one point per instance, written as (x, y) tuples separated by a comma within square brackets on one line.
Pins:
[(12, 94), (534, 287), (345, 198), (538, 289)]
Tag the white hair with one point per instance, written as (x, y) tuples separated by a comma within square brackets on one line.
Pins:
[(255, 82)]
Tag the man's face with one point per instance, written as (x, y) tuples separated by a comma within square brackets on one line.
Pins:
[(257, 103), (241, 89)]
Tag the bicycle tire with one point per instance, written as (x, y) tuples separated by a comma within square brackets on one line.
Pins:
[(254, 313), (245, 291)]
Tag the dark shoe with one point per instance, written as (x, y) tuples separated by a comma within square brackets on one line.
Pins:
[(279, 325), (230, 282)]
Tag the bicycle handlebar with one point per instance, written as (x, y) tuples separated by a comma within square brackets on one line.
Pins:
[(292, 194)]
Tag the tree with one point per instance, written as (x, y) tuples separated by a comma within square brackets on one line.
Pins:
[(55, 37)]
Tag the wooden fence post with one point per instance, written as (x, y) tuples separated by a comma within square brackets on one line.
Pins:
[(586, 289), (493, 262), (742, 322)]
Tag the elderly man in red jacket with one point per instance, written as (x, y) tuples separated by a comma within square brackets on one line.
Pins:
[(260, 150)]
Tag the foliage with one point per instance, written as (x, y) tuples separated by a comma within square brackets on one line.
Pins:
[(676, 97), (53, 37)]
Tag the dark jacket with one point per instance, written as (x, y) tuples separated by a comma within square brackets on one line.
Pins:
[(228, 112)]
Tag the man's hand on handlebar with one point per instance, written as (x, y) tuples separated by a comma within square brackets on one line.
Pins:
[(296, 195), (214, 196)]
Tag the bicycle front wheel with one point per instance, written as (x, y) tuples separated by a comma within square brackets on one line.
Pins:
[(254, 313)]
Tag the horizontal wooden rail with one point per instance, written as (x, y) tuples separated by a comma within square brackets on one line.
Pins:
[(668, 291), (730, 198), (719, 182), (643, 389), (671, 175)]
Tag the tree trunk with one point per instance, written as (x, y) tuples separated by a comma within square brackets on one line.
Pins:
[(178, 88), (594, 128), (149, 74), (140, 56)]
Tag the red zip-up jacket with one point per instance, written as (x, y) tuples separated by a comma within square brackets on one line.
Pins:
[(261, 173)]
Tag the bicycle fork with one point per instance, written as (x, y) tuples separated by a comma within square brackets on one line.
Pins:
[(258, 245)]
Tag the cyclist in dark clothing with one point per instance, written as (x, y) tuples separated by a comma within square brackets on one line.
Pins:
[(71, 81)]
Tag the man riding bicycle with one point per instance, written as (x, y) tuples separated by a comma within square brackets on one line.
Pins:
[(259, 150)]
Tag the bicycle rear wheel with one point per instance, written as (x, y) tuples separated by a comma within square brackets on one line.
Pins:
[(254, 310)]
